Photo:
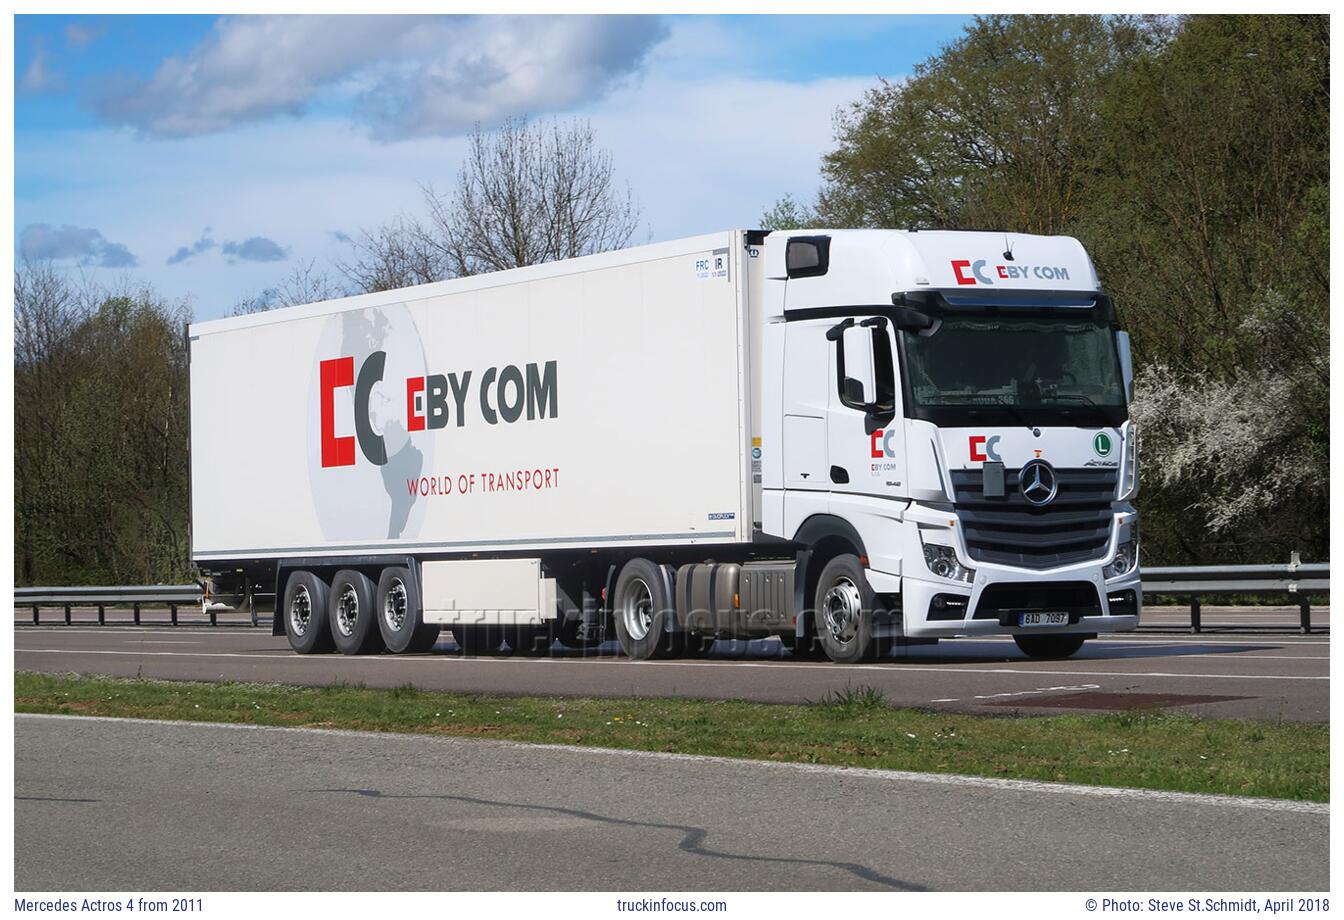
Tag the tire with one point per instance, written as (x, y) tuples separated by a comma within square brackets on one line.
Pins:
[(478, 640), (1046, 647), (641, 609), (399, 615), (305, 613), (844, 611), (531, 641), (353, 614)]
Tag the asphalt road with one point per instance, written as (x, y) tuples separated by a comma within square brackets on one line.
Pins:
[(1269, 676), (109, 805)]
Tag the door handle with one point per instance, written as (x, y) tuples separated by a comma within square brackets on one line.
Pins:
[(839, 474)]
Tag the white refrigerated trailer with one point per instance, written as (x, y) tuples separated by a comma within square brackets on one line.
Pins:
[(844, 438)]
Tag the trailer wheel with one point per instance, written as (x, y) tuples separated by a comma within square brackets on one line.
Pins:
[(1056, 646), (844, 610), (641, 610), (400, 620), (353, 613), (478, 640), (305, 613)]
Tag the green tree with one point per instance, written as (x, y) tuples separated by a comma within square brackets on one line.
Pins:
[(998, 130), (787, 214), (100, 440)]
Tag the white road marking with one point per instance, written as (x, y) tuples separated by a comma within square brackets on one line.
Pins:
[(894, 668), (994, 696), (858, 773), (169, 642)]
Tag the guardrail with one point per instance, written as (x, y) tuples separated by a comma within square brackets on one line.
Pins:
[(1296, 578), (170, 596)]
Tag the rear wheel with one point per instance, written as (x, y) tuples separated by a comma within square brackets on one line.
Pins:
[(305, 613), (1049, 646), (641, 611), (844, 611), (400, 619), (353, 614)]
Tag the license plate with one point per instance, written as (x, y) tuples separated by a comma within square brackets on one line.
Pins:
[(1042, 619)]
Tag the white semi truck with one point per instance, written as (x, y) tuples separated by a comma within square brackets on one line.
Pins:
[(844, 438)]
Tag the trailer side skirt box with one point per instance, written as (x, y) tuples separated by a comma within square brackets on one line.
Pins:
[(487, 592)]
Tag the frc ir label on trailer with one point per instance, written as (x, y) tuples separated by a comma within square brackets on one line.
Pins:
[(714, 265)]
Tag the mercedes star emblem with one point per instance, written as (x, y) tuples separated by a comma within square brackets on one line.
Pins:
[(1038, 482)]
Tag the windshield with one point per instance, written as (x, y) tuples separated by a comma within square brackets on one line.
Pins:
[(1033, 370)]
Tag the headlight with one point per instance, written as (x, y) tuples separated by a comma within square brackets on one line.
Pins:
[(1129, 475), (1126, 557), (942, 561)]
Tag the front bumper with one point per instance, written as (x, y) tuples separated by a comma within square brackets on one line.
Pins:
[(977, 619)]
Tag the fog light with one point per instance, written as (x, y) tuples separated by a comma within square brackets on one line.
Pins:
[(942, 561)]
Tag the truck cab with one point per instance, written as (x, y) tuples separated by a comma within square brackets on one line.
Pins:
[(954, 407)]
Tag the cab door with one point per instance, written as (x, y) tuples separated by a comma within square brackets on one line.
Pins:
[(806, 403), (864, 436)]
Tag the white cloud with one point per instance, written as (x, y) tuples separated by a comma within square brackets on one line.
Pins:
[(82, 245), (39, 77), (411, 75), (701, 149), (80, 35)]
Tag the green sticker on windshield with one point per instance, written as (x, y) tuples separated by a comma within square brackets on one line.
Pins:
[(1102, 444)]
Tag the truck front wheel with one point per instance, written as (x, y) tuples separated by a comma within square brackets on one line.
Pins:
[(1049, 646), (399, 616), (305, 613), (844, 611), (353, 613), (641, 610)]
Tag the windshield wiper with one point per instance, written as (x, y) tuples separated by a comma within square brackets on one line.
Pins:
[(1012, 410), (1080, 396)]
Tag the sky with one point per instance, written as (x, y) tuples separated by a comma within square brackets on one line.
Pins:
[(210, 156)]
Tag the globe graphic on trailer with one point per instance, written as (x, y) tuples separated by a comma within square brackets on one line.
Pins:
[(367, 501)]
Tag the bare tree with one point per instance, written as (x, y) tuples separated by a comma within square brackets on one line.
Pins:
[(525, 194), (397, 254), (302, 285)]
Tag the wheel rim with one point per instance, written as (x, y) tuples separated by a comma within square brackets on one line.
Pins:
[(347, 610), (300, 611), (637, 610), (842, 609), (394, 605)]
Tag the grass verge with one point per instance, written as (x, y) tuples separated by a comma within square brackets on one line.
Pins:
[(855, 728)]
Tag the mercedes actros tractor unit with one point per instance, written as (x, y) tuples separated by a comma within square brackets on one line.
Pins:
[(848, 439)]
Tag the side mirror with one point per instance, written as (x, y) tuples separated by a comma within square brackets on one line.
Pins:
[(854, 392), (1126, 364)]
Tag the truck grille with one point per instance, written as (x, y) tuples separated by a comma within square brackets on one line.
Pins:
[(1075, 527)]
